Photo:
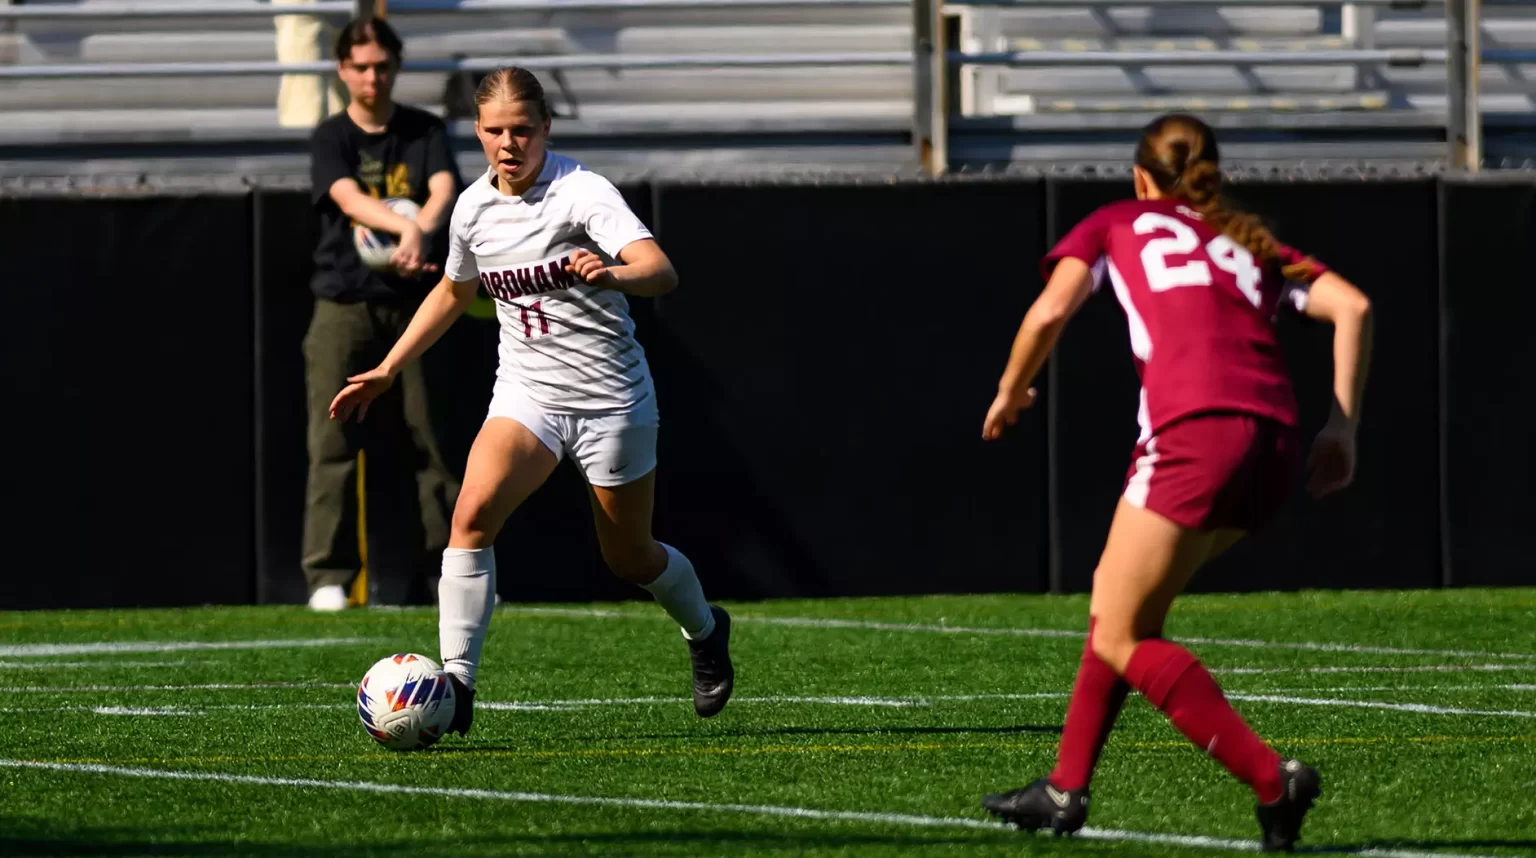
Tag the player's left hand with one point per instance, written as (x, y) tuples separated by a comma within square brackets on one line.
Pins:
[(591, 268), (1005, 412), (1331, 465)]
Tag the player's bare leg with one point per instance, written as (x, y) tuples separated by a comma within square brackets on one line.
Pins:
[(1098, 694), (506, 464), (1142, 568), (1147, 562), (623, 518)]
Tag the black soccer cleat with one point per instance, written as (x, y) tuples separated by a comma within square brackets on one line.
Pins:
[(463, 707), (1040, 805), (713, 674), (1281, 821)]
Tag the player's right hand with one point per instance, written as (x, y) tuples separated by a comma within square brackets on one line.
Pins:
[(1005, 412), (361, 390)]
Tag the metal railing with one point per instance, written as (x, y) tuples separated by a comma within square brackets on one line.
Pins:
[(257, 9), (364, 8), (931, 59), (483, 64)]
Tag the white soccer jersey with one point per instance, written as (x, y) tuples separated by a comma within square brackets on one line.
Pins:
[(569, 345)]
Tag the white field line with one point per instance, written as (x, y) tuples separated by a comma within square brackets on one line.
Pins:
[(540, 705), (505, 608), (1233, 671), (1416, 668), (1226, 671), (1424, 708), (173, 710), (108, 664), (1513, 686), (1202, 842), (767, 810), (139, 710), (1358, 648), (211, 686), (870, 625), (892, 702), (38, 650), (895, 702)]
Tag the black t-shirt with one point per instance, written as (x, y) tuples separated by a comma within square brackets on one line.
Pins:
[(396, 162)]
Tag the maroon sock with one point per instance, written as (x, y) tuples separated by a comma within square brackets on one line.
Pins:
[(1173, 680), (1097, 696)]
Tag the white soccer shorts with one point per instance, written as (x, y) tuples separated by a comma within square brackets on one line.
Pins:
[(612, 449)]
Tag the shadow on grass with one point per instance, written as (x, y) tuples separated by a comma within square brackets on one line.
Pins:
[(851, 731), (125, 845), (1366, 846), (135, 842)]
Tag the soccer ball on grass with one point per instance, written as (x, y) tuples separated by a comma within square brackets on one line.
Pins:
[(405, 702)]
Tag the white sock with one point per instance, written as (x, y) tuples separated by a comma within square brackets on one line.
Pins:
[(466, 595), (677, 590)]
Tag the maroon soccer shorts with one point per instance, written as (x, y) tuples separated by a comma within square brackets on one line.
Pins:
[(1212, 471)]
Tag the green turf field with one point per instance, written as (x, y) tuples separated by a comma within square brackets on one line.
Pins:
[(860, 727)]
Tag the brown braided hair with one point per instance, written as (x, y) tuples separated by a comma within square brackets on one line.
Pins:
[(512, 83), (1179, 152)]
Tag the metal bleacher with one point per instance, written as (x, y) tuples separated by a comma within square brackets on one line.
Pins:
[(1066, 95), (799, 84), (1384, 94), (690, 118), (1306, 95)]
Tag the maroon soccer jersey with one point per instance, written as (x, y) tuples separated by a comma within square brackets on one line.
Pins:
[(1201, 310)]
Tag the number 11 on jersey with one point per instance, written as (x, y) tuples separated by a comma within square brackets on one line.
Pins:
[(538, 310)]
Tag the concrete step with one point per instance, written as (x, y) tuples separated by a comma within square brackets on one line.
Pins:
[(178, 93), (640, 86), (246, 124), (1172, 80), (1489, 103), (1160, 20), (1430, 32), (173, 46), (1286, 103), (197, 167), (1046, 154), (17, 49), (414, 25), (1492, 80), (1182, 43), (167, 47)]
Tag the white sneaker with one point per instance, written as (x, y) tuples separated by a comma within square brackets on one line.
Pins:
[(329, 598)]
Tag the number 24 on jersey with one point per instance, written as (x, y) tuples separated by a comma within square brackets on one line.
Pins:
[(1227, 255)]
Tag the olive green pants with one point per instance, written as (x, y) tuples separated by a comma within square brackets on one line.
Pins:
[(409, 492)]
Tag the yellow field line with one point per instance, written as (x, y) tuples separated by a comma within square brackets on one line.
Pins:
[(423, 613), (781, 749)]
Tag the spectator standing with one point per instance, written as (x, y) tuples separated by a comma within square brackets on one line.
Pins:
[(373, 151)]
